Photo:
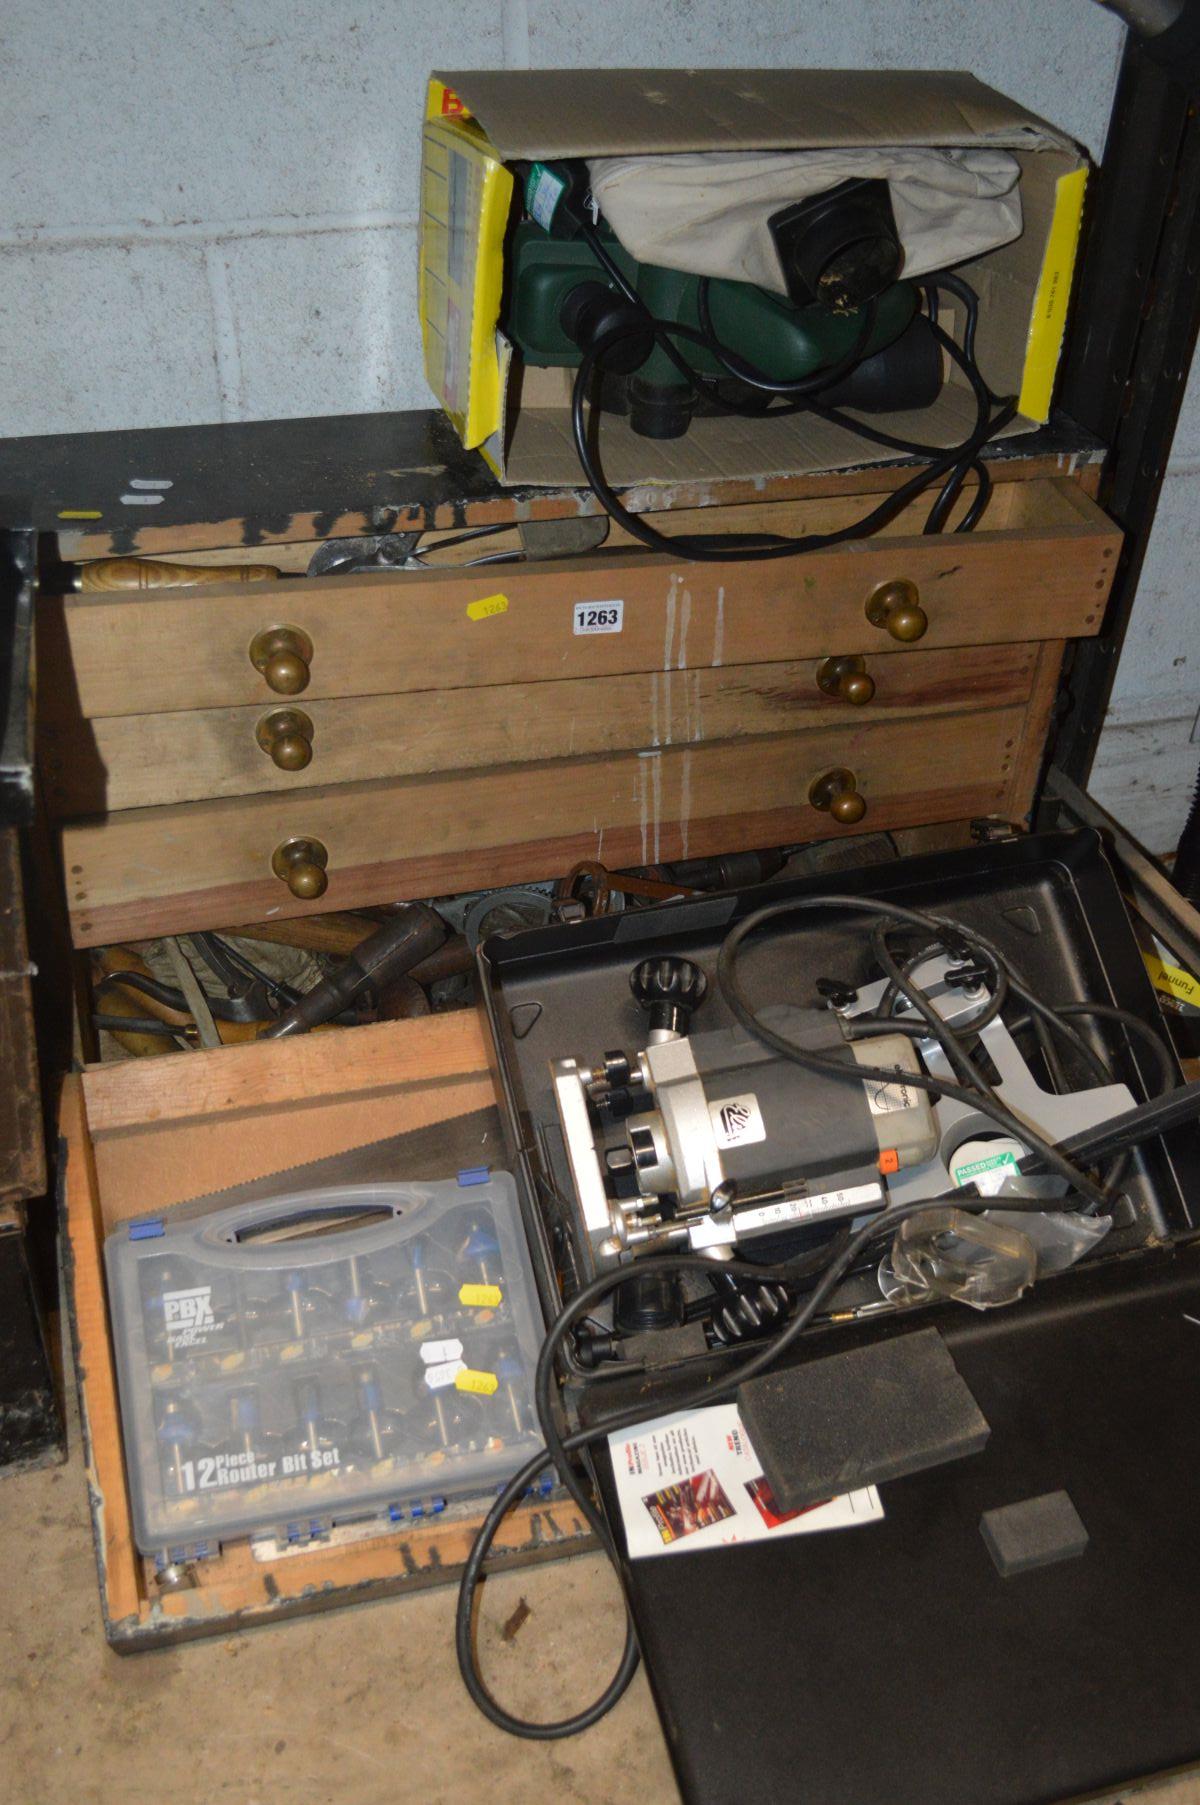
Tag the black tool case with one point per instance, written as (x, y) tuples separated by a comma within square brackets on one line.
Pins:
[(1049, 902), (893, 1662)]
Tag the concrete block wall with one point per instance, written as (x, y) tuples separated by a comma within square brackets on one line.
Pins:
[(209, 213), (1146, 764)]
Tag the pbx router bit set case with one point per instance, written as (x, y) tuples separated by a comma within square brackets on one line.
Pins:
[(322, 1357)]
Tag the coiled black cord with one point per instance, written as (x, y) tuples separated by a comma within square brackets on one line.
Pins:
[(746, 547), (1046, 1022), (743, 547), (799, 395), (965, 358), (982, 1099)]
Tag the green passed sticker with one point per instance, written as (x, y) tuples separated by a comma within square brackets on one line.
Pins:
[(974, 1168)]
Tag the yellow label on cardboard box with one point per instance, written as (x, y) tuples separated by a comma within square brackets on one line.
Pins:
[(483, 1383), (480, 1297), (466, 196), (1172, 981), (1048, 321), (442, 102)]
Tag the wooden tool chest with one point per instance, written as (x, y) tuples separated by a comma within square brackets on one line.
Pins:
[(460, 734), (239, 751)]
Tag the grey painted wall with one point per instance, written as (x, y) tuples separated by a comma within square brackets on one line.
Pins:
[(209, 212)]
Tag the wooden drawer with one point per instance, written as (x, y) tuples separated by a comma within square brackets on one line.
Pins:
[(169, 869), (135, 761), (1041, 571)]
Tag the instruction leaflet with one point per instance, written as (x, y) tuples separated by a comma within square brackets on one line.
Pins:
[(693, 1481)]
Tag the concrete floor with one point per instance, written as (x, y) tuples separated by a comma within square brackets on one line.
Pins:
[(358, 1707)]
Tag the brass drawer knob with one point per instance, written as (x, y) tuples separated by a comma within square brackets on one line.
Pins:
[(301, 864), (846, 680), (896, 607), (836, 794), (286, 736), (283, 655)]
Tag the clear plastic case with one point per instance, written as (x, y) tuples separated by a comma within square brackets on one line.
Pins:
[(323, 1357)]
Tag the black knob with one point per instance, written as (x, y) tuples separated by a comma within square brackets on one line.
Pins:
[(836, 994), (744, 1309), (670, 989)]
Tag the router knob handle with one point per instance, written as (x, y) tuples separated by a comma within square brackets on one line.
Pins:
[(669, 989)]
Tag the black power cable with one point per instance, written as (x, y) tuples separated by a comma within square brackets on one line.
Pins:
[(1046, 1022), (965, 358), (800, 395), (739, 547), (1164, 1059), (744, 547), (1133, 1024), (711, 1391)]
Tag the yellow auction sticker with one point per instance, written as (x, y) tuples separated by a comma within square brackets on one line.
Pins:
[(480, 1297), (487, 606), (1172, 981), (468, 1380)]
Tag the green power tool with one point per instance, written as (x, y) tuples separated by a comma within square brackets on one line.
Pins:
[(572, 288)]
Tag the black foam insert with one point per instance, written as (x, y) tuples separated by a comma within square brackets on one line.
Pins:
[(1034, 1533), (860, 1417)]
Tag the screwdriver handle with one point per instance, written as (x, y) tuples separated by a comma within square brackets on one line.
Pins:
[(125, 574)]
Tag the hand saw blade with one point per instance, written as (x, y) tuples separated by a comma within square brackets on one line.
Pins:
[(437, 1151)]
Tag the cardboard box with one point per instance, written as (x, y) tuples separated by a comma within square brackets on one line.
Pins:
[(477, 122)]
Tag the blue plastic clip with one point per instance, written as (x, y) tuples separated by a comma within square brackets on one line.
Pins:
[(149, 1230), (396, 1513), (418, 1510), (437, 1504), (474, 1175)]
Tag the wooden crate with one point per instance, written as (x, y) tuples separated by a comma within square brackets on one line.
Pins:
[(141, 1136)]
